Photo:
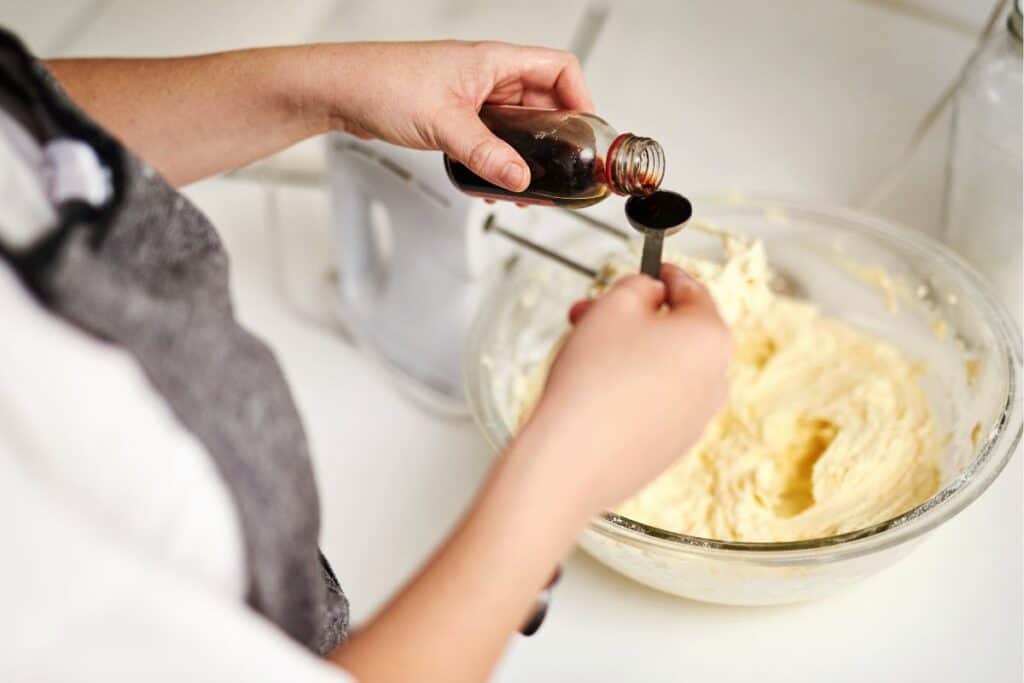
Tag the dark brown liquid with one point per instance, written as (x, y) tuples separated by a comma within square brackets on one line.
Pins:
[(661, 210), (561, 173)]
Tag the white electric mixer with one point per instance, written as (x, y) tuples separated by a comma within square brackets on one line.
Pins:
[(415, 256)]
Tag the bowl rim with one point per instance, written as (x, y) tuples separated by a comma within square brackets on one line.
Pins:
[(990, 459)]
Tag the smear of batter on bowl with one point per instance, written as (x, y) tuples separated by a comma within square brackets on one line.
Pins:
[(827, 428)]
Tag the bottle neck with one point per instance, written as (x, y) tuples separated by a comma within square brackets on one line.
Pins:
[(634, 165)]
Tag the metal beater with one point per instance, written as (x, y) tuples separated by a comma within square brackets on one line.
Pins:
[(656, 217)]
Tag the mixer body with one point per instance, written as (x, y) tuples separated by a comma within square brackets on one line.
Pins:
[(412, 258)]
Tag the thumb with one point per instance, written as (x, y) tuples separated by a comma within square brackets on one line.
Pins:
[(464, 137)]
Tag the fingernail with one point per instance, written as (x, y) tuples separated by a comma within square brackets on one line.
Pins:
[(513, 176)]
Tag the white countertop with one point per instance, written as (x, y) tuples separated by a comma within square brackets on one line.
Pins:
[(799, 98)]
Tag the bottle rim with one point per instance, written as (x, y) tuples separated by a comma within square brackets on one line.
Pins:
[(634, 165)]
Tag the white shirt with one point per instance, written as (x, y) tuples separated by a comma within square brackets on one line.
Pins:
[(122, 554)]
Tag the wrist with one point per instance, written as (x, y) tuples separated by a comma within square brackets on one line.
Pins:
[(293, 79), (540, 461), (330, 90)]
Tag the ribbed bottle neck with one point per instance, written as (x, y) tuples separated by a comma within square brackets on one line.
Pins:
[(635, 165)]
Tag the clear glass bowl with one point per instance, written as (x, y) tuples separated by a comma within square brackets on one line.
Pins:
[(893, 282)]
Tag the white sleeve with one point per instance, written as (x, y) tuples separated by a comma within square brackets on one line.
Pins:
[(78, 605)]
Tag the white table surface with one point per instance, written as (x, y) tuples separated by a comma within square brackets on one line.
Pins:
[(812, 99)]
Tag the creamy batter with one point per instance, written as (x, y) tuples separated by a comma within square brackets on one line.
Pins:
[(826, 429)]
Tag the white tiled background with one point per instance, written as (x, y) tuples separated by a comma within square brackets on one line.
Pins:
[(809, 98)]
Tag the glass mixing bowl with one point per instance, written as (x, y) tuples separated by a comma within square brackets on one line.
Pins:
[(890, 281)]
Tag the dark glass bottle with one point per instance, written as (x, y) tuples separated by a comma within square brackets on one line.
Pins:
[(575, 159)]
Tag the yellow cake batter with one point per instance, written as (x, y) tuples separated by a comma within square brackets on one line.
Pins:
[(826, 429)]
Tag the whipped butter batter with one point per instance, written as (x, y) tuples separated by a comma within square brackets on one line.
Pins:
[(826, 429)]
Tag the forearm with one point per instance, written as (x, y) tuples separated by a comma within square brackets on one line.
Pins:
[(452, 622), (192, 117)]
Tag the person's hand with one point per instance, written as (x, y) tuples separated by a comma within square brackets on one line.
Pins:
[(634, 385), (428, 95)]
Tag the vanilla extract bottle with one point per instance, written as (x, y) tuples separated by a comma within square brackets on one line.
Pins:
[(575, 159)]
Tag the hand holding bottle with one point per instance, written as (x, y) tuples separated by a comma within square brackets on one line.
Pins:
[(427, 95)]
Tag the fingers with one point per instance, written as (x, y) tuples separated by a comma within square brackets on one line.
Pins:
[(579, 309), (552, 78), (571, 88), (462, 134), (682, 290), (640, 291), (637, 292), (358, 131), (676, 288), (541, 99)]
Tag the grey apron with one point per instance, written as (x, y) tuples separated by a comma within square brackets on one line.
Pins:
[(146, 272)]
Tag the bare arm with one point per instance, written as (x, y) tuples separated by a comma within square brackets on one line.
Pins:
[(192, 117), (589, 443), (452, 622)]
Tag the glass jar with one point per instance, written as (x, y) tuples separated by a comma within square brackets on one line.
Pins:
[(575, 159), (984, 189)]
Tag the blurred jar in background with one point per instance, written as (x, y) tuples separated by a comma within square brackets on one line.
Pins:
[(984, 191)]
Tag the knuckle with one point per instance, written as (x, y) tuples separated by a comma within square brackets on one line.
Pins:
[(635, 283), (696, 284), (628, 290), (693, 287), (470, 78), (480, 154), (486, 45), (481, 51), (622, 301), (487, 53)]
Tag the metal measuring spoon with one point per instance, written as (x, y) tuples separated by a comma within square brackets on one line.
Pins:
[(657, 216)]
